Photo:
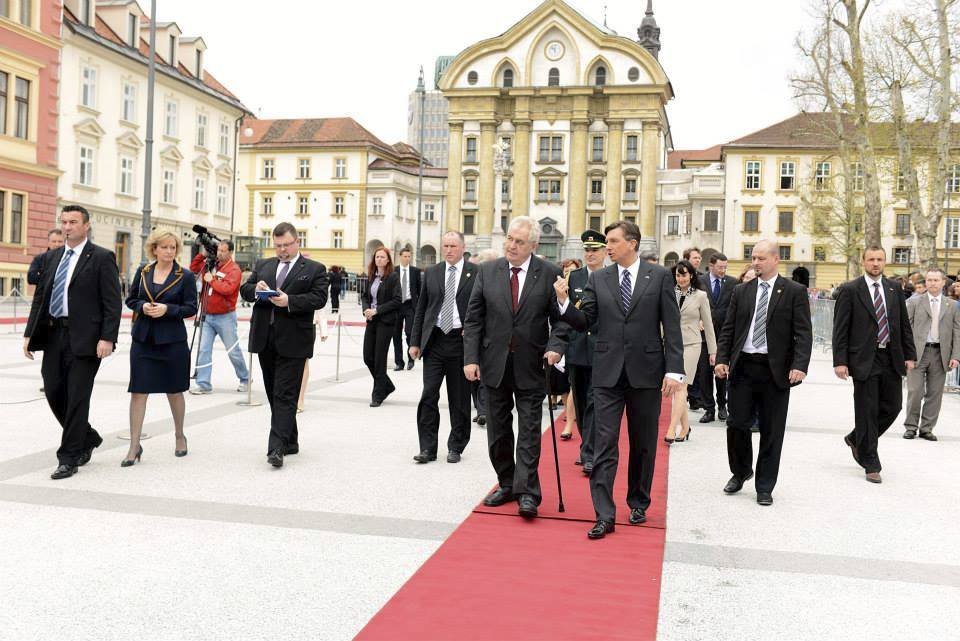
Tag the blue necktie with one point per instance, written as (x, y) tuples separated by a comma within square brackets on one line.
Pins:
[(716, 290), (60, 285), (625, 291)]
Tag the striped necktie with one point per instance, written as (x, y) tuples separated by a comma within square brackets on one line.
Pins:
[(883, 327), (449, 300), (760, 318), (60, 286), (625, 291)]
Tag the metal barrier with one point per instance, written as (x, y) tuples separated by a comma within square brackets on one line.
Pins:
[(15, 306), (821, 313)]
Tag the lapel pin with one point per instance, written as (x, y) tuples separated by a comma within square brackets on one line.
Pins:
[(647, 276), (779, 291), (469, 275)]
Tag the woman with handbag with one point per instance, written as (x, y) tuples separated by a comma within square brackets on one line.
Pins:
[(381, 304), (161, 296)]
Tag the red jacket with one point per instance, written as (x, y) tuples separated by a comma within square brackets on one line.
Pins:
[(223, 289)]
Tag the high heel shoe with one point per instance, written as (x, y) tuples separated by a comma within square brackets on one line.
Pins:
[(127, 462), (566, 436), (668, 440), (183, 452), (685, 437)]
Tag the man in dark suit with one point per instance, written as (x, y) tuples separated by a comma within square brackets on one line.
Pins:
[(282, 332), (410, 281), (35, 272), (512, 325), (438, 336), (873, 343), (764, 348), (637, 357), (579, 354), (74, 320), (719, 288)]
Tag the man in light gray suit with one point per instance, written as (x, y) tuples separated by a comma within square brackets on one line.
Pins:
[(938, 343)]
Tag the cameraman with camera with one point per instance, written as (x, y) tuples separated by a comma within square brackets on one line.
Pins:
[(221, 284)]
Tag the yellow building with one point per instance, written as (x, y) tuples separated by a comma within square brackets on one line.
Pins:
[(581, 111)]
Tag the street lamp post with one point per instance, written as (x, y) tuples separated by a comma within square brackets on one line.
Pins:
[(145, 223), (421, 91)]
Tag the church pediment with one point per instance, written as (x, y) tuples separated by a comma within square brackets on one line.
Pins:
[(171, 154), (89, 127), (549, 172), (200, 163), (224, 170), (129, 140)]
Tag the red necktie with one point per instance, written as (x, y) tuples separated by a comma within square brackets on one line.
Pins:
[(515, 287)]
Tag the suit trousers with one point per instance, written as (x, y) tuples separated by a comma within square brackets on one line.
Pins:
[(876, 404), (925, 391), (707, 379), (68, 383), (282, 376), (443, 359), (376, 343), (520, 475), (404, 327), (479, 393), (753, 394), (581, 384), (643, 415)]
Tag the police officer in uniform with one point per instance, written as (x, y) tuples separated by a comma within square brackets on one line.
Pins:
[(579, 354)]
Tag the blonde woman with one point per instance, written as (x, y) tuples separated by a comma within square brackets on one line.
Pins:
[(161, 296), (694, 318), (320, 320)]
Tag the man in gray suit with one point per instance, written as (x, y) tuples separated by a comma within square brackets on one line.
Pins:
[(632, 308), (938, 344)]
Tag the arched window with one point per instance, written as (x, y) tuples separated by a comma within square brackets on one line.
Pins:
[(553, 79), (600, 78), (508, 77)]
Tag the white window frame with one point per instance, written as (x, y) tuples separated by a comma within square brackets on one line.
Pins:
[(266, 205), (86, 169), (753, 180), (338, 239), (340, 168), (377, 205), (169, 191), (129, 107), (202, 130), (221, 198), (339, 205), (170, 117), (822, 172), (429, 211), (856, 169), (304, 163), (88, 87), (224, 139), (127, 171), (788, 169), (271, 165), (673, 225), (200, 193), (951, 230), (303, 204)]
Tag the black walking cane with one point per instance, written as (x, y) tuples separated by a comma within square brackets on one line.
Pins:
[(553, 432)]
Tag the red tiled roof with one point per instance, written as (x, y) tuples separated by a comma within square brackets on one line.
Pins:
[(414, 170), (315, 132), (676, 158)]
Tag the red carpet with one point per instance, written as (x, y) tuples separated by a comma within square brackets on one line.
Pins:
[(499, 577)]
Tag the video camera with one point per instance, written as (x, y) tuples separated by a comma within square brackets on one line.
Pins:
[(210, 243)]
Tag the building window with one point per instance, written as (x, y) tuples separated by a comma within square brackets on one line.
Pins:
[(172, 58), (5, 12), (88, 87), (711, 220), (504, 190), (470, 189), (199, 193), (201, 130), (303, 204), (785, 251), (630, 189), (901, 255), (553, 77), (632, 141), (551, 148), (15, 235), (224, 139), (268, 168), (85, 173), (953, 176), (429, 212), (901, 182), (753, 174), (508, 77), (601, 76), (267, 205), (4, 80), (25, 12), (785, 222), (337, 239), (747, 252), (819, 253), (129, 102), (22, 123), (303, 168), (903, 224), (339, 206), (377, 206), (788, 175), (821, 180), (132, 31), (857, 169), (596, 190), (952, 229), (595, 223), (597, 155), (126, 175), (400, 208), (221, 198), (199, 63), (468, 226), (340, 168), (302, 237), (169, 182), (471, 155), (673, 225), (170, 122), (751, 220), (548, 189)]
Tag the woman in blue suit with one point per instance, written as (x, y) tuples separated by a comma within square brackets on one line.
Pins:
[(162, 294)]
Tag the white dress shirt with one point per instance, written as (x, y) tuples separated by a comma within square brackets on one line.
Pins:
[(457, 323), (933, 336), (77, 251), (883, 296), (521, 276), (748, 346), (405, 280), (292, 262)]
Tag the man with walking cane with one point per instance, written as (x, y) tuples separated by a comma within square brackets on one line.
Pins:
[(630, 303)]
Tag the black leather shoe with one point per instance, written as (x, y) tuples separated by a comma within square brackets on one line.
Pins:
[(474, 419), (601, 529), (399, 368), (85, 457), (290, 450), (928, 436), (63, 472), (409, 364), (376, 403), (637, 516), (708, 417), (764, 498), (910, 434), (481, 420), (853, 448), (453, 457), (735, 484), (425, 457), (499, 497), (528, 506), (722, 414), (695, 405), (588, 468), (275, 458), (578, 462)]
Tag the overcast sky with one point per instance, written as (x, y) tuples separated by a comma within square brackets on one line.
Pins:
[(728, 60)]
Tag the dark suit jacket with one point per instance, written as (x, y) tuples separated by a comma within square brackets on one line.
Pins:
[(179, 294), (855, 328), (93, 300), (34, 273), (580, 348), (294, 332), (646, 341), (431, 300), (789, 330), (718, 308), (491, 326), (416, 282), (388, 299)]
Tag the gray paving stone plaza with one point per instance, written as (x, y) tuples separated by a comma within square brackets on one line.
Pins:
[(219, 545)]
